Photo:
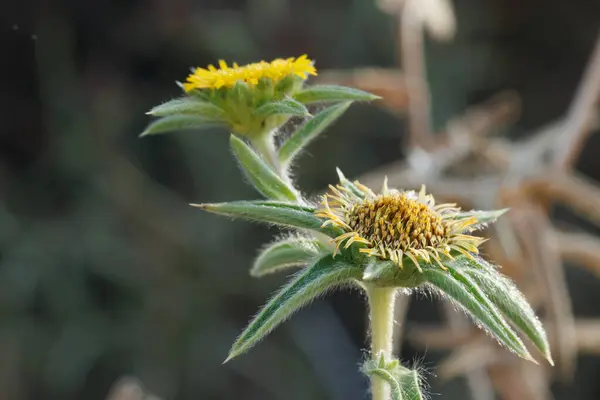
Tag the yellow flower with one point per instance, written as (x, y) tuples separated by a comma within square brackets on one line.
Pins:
[(225, 76), (395, 224)]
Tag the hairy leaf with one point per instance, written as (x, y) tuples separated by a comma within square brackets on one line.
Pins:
[(188, 106), (395, 385), (325, 274), (405, 383), (465, 292), (483, 218), (310, 130), (260, 174), (388, 274), (511, 302), (411, 386), (287, 106), (176, 123), (376, 270), (290, 252), (278, 213), (332, 93)]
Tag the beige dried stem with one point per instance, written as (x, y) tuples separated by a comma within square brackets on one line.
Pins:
[(531, 190), (467, 165), (129, 388)]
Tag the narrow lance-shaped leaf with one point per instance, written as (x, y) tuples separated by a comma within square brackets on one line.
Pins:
[(287, 106), (177, 123), (511, 302), (188, 106), (455, 268), (325, 274), (483, 217), (472, 300), (260, 174), (285, 214), (332, 93), (290, 252), (307, 132)]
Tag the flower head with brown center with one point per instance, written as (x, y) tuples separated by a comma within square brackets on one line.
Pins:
[(397, 224)]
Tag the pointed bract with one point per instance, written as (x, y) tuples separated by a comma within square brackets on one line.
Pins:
[(350, 186), (484, 218)]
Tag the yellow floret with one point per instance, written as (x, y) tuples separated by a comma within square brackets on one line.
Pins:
[(225, 76)]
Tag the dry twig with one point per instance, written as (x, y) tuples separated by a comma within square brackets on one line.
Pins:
[(466, 165)]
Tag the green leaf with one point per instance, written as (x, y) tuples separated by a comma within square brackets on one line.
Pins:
[(260, 174), (283, 204), (177, 123), (388, 274), (290, 252), (325, 274), (465, 292), (188, 106), (405, 383), (483, 217), (375, 270), (332, 93), (411, 386), (199, 94), (307, 132), (513, 305), (278, 213), (349, 185), (382, 373), (287, 106)]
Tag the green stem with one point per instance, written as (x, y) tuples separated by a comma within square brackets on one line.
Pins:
[(266, 148), (381, 312), (264, 145)]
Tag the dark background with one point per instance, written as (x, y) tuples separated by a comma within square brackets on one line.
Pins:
[(105, 270)]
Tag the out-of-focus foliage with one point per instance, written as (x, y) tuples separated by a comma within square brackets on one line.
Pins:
[(106, 271)]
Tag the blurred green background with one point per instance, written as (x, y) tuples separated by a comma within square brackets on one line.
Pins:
[(105, 270)]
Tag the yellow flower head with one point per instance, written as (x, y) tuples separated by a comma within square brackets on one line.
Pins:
[(393, 225), (225, 76)]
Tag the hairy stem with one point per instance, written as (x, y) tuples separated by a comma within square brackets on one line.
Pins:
[(381, 313), (266, 148)]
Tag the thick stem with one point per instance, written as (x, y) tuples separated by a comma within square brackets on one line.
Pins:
[(381, 312)]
